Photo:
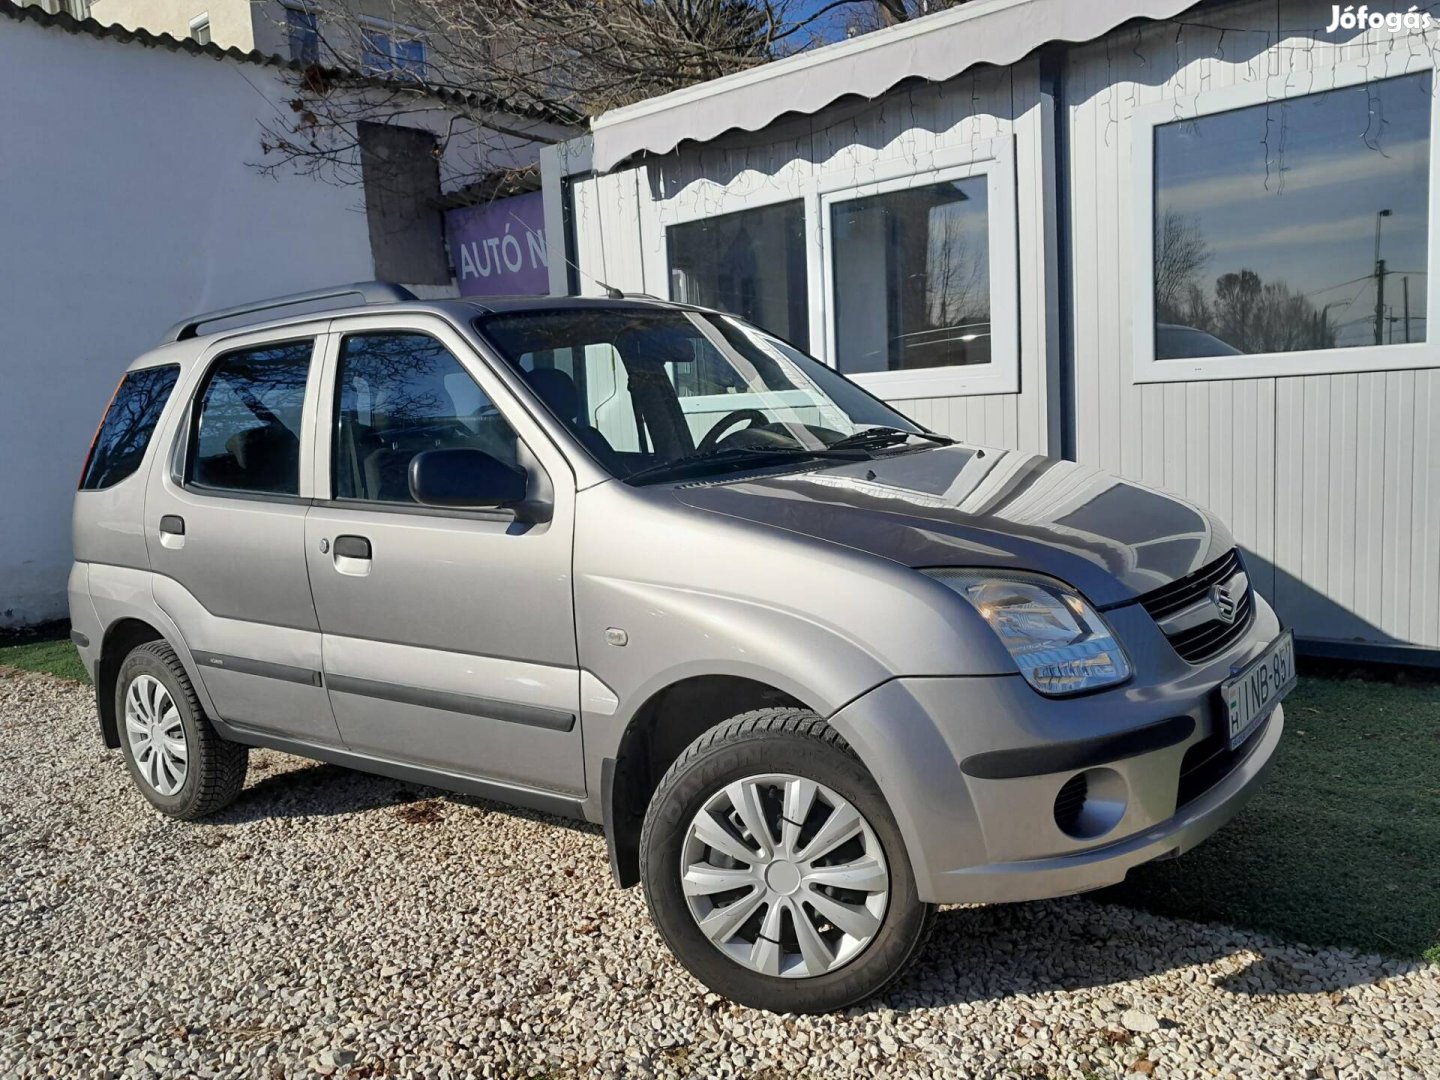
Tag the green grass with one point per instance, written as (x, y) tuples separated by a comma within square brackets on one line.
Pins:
[(1341, 844), (46, 651)]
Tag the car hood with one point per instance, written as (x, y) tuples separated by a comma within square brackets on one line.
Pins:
[(1110, 538)]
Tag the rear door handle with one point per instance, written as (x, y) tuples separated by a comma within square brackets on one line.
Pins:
[(351, 555), (172, 531)]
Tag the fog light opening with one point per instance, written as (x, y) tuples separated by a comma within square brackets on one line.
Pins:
[(1090, 804)]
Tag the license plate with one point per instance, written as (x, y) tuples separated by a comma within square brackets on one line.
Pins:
[(1253, 694)]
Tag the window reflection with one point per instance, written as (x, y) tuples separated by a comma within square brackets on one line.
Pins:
[(750, 263), (130, 421), (1298, 224), (912, 278), (247, 428)]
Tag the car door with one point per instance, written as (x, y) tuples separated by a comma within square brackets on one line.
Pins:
[(225, 529), (449, 635)]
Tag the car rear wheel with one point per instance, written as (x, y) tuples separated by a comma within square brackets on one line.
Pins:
[(774, 868), (175, 756)]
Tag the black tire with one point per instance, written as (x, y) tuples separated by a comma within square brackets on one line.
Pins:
[(793, 741), (215, 769)]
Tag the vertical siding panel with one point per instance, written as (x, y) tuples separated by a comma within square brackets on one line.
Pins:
[(1425, 555), (1314, 561), (1084, 299), (1195, 458), (1399, 519), (1175, 437), (1339, 524), (1289, 493), (1265, 463), (1369, 508)]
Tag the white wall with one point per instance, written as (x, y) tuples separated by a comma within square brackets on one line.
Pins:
[(129, 202)]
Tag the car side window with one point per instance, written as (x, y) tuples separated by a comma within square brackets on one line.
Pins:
[(397, 394), (246, 436)]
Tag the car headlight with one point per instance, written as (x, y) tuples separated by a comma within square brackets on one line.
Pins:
[(1059, 642)]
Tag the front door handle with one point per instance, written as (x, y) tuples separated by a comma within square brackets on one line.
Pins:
[(352, 547), (172, 531), (352, 555)]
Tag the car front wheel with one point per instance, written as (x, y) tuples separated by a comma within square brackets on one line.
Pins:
[(774, 868)]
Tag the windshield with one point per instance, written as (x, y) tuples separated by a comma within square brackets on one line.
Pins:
[(646, 390)]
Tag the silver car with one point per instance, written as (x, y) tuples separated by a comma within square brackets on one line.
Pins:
[(815, 669)]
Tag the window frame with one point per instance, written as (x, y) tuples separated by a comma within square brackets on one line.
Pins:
[(1145, 368), (539, 454), (822, 186), (198, 23), (1002, 374), (724, 202), (391, 31), (302, 8), (185, 436)]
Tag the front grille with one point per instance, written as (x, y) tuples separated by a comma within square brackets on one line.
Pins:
[(1211, 760), (1200, 642)]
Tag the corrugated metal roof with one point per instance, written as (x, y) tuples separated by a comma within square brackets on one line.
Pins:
[(936, 47), (94, 28)]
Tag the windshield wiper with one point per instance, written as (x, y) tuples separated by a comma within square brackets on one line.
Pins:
[(693, 464), (876, 437)]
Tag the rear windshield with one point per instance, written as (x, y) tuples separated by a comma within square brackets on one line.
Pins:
[(125, 432)]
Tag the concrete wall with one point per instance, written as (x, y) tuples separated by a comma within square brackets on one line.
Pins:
[(129, 202)]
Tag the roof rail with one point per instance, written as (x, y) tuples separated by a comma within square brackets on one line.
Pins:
[(372, 292)]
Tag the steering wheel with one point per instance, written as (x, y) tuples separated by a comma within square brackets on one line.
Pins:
[(729, 420)]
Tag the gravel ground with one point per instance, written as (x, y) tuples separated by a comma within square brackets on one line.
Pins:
[(341, 925)]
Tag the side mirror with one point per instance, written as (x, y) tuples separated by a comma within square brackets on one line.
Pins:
[(464, 477)]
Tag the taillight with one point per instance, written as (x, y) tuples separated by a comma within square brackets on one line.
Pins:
[(95, 439)]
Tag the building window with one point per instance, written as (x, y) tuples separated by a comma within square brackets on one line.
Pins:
[(387, 49), (200, 29), (751, 263), (1289, 225), (302, 30), (911, 276)]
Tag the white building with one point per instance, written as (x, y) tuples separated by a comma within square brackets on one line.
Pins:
[(1192, 243), (307, 31), (131, 199)]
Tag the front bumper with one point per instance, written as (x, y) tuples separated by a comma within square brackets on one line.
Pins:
[(972, 768)]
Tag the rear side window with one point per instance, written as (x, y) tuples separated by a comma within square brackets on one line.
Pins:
[(247, 423), (120, 443)]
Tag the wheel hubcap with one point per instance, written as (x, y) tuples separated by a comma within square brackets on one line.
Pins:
[(784, 876), (156, 735)]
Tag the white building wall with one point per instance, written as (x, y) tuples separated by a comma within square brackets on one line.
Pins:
[(620, 240), (1330, 482), (130, 201)]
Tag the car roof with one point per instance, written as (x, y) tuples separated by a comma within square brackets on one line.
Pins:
[(184, 341)]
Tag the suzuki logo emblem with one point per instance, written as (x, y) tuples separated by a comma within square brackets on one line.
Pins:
[(1225, 601)]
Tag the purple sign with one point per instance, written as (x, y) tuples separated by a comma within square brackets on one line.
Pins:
[(499, 249)]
